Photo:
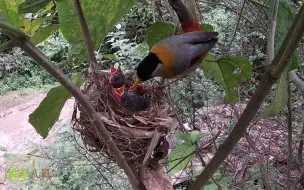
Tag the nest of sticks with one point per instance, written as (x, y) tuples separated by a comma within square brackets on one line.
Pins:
[(140, 136)]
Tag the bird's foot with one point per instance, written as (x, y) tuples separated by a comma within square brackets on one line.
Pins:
[(169, 83)]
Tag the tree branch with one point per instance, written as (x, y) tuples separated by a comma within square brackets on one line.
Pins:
[(300, 150), (86, 33), (236, 26), (297, 81), (7, 45), (289, 121), (264, 175), (28, 47), (271, 31), (93, 66), (291, 42)]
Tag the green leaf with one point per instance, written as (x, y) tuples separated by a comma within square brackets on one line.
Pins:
[(284, 20), (195, 136), (210, 186), (181, 156), (9, 9), (226, 180), (101, 15), (207, 27), (159, 31), (280, 99), (44, 33), (2, 148), (35, 24), (229, 72), (183, 136), (47, 113), (32, 6)]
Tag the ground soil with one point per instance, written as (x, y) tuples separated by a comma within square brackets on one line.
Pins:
[(17, 135)]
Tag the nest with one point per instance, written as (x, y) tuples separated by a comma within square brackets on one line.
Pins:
[(140, 136)]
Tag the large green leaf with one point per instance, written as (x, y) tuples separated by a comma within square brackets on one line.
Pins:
[(195, 136), (229, 72), (48, 112), (9, 9), (181, 156), (44, 33), (159, 31), (32, 6), (284, 20), (101, 15), (31, 26), (281, 95), (184, 136)]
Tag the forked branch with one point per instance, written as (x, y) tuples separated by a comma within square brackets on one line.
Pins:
[(28, 47), (272, 74)]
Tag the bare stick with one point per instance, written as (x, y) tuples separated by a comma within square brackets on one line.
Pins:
[(93, 63), (271, 32), (289, 121), (28, 47), (264, 175), (7, 45), (291, 42), (300, 150), (297, 81), (236, 26), (87, 36)]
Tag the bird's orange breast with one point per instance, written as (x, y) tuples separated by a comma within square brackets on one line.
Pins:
[(166, 56)]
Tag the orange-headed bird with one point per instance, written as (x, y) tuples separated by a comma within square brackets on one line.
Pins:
[(178, 55)]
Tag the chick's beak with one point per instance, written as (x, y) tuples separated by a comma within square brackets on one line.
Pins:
[(112, 70), (120, 91), (137, 82)]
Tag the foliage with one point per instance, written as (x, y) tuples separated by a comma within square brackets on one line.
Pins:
[(184, 152), (100, 17), (229, 72), (68, 168), (18, 71), (159, 31), (47, 113), (284, 20), (137, 21)]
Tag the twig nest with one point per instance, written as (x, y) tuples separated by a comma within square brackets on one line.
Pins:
[(131, 131)]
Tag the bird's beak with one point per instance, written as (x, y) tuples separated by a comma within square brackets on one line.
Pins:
[(137, 82), (120, 91), (112, 70)]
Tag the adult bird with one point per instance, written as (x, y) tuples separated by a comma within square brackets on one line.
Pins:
[(178, 55)]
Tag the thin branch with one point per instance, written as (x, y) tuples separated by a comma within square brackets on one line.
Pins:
[(153, 10), (297, 81), (9, 28), (264, 176), (173, 16), (271, 32), (236, 26), (289, 45), (159, 11), (7, 45), (86, 33), (257, 3), (291, 42), (29, 48), (300, 150), (289, 125)]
